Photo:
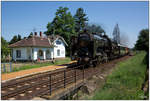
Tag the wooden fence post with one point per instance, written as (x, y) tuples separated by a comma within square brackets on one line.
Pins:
[(4, 68), (10, 67)]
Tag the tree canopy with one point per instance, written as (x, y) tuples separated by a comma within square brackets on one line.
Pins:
[(80, 20), (4, 48), (31, 34), (15, 39), (63, 24), (143, 40)]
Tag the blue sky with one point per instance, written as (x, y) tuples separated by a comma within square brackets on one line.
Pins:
[(22, 17)]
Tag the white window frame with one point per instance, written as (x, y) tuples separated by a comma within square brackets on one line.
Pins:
[(58, 52), (18, 53)]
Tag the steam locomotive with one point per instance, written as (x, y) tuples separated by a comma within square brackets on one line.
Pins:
[(93, 49)]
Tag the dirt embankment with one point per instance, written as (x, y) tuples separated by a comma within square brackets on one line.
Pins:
[(145, 86), (97, 81)]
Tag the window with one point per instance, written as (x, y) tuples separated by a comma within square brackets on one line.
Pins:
[(58, 52), (58, 42), (47, 52), (40, 53), (18, 53)]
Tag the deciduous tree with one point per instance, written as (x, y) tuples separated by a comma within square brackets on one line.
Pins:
[(143, 43), (63, 24), (31, 34), (143, 40), (15, 39), (5, 51)]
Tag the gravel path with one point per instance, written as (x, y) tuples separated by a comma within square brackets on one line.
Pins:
[(13, 75)]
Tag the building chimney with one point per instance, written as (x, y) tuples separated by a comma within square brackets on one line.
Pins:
[(40, 34), (35, 33)]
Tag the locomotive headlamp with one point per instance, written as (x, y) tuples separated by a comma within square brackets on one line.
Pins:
[(87, 54), (75, 53)]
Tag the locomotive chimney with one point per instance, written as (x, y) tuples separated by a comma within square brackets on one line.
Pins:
[(35, 33), (40, 34)]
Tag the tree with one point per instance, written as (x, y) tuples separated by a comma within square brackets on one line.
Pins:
[(19, 37), (5, 51), (15, 39), (31, 34), (63, 24), (80, 20), (143, 40), (93, 28), (143, 43)]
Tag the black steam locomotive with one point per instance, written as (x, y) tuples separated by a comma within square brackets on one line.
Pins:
[(94, 49)]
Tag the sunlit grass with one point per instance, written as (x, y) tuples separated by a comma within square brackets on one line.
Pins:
[(125, 82), (37, 65)]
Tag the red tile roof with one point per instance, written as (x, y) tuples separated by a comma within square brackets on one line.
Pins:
[(37, 41), (32, 41)]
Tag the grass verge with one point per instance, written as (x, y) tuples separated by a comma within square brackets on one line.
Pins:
[(37, 65), (125, 82)]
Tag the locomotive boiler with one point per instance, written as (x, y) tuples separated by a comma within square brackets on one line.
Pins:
[(93, 49)]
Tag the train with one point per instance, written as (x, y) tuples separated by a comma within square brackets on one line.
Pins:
[(92, 49)]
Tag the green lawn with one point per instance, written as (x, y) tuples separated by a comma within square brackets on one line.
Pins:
[(125, 82), (37, 65)]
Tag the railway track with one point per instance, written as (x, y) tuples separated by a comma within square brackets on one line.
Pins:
[(45, 83), (36, 85)]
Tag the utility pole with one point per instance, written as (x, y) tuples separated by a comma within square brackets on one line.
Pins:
[(116, 34)]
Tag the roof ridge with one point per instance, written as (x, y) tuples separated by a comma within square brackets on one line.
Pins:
[(15, 42), (62, 40), (36, 41)]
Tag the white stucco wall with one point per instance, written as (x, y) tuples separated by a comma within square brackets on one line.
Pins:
[(36, 50), (26, 52), (35, 57), (23, 53), (60, 47)]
